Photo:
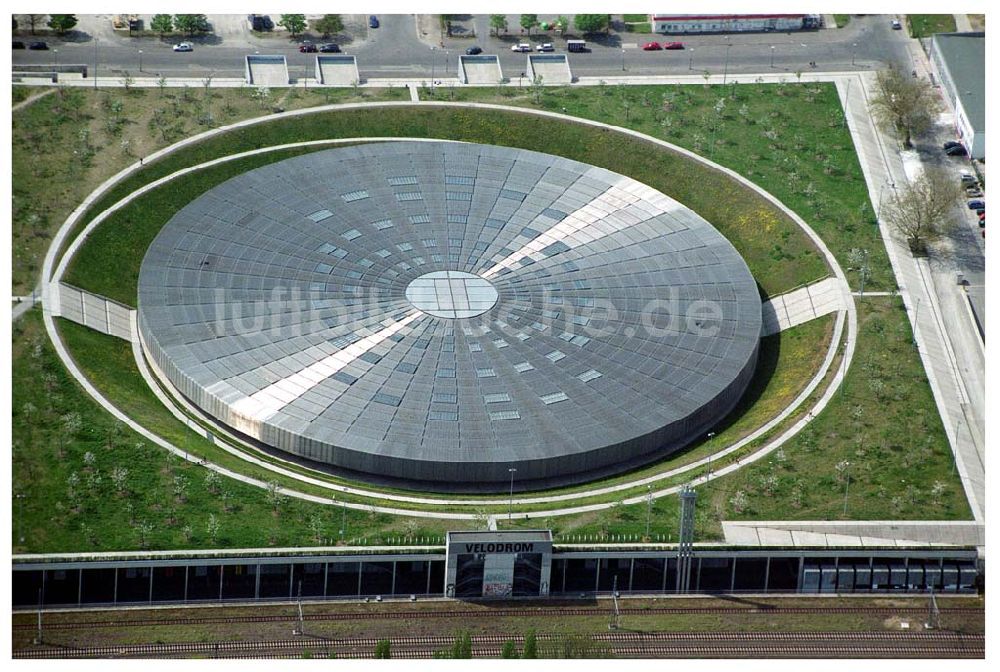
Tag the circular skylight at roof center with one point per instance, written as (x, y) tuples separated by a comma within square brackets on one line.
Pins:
[(451, 294)]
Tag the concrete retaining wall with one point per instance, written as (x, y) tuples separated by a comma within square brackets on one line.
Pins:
[(95, 311)]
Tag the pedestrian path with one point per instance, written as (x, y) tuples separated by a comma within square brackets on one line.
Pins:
[(839, 534), (802, 305), (962, 23)]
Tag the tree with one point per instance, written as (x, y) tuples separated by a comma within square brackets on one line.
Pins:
[(922, 211), (162, 24), (530, 646), (274, 496), (293, 23), (383, 649), (498, 22), (34, 20), (529, 21), (509, 649), (330, 24), (562, 24), (191, 23), (904, 105), (214, 527), (590, 23), (62, 23)]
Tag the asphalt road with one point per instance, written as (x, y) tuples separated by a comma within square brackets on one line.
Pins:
[(395, 49)]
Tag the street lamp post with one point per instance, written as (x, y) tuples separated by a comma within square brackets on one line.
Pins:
[(725, 70), (854, 52), (55, 55), (20, 516), (772, 55), (847, 485), (140, 60), (623, 59), (711, 435), (446, 63), (649, 507), (432, 66), (691, 59), (510, 503), (95, 63)]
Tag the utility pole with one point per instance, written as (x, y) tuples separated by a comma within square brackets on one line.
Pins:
[(38, 636), (616, 614), (686, 539), (20, 516), (300, 629), (847, 484), (933, 614), (649, 507), (95, 63), (725, 70)]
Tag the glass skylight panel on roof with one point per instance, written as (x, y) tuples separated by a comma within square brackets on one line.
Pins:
[(447, 416), (382, 224), (444, 398), (386, 399), (420, 219), (475, 347), (351, 234), (553, 398), (555, 355), (401, 180), (457, 196), (496, 398), (459, 179), (523, 366), (500, 343), (404, 196), (404, 247), (352, 196), (505, 415), (320, 215), (590, 375), (486, 373), (383, 253)]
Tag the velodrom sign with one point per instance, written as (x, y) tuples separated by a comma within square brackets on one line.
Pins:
[(504, 547)]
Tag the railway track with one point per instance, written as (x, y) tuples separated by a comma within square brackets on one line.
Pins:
[(620, 644), (497, 613)]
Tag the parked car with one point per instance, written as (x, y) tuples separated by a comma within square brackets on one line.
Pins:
[(473, 50), (977, 205), (17, 45), (183, 46), (969, 180), (308, 48), (956, 151), (950, 144), (973, 192), (38, 46), (980, 211), (651, 46), (673, 45), (547, 46), (522, 47), (982, 221), (373, 22), (330, 48), (896, 25)]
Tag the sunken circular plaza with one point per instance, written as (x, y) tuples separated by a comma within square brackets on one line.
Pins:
[(437, 314)]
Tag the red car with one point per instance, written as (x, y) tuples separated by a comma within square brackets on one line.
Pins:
[(651, 46), (673, 45), (308, 48)]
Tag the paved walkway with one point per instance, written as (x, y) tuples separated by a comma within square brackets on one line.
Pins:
[(838, 534), (802, 305), (962, 23), (963, 422)]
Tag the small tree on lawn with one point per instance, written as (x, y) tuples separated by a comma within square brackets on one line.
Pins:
[(591, 23), (162, 24), (214, 527), (274, 496), (62, 23), (904, 105), (923, 210), (316, 527), (330, 24), (293, 23), (191, 23), (498, 22), (143, 530), (529, 21), (212, 482)]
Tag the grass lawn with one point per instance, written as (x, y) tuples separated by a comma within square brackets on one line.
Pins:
[(779, 255), (925, 25), (66, 144), (635, 18), (788, 138)]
